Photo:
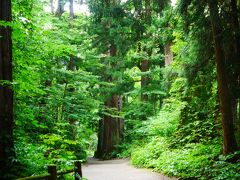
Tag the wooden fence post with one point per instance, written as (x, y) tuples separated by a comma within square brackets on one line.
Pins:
[(78, 170), (52, 170)]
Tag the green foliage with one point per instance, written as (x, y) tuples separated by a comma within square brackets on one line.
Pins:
[(223, 168), (184, 139), (63, 75), (56, 105), (146, 155), (32, 157), (189, 160)]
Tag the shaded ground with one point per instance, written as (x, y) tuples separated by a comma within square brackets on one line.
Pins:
[(119, 169)]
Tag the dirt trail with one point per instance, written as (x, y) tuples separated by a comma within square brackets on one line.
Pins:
[(119, 169)]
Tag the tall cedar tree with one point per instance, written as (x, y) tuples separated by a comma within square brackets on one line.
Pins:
[(6, 93), (110, 128), (229, 141), (222, 60)]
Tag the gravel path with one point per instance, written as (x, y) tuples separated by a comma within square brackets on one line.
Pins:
[(119, 169)]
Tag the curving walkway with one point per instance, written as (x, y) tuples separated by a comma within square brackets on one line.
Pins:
[(119, 169)]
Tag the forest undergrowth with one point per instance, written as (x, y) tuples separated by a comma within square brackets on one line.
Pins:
[(138, 79), (183, 138)]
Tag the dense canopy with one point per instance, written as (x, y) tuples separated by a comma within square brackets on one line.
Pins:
[(153, 80)]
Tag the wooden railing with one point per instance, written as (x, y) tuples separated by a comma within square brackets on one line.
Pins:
[(53, 173)]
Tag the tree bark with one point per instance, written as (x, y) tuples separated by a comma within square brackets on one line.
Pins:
[(168, 54), (144, 78), (60, 8), (110, 132), (80, 2), (110, 128), (71, 9), (52, 6), (6, 94), (144, 67), (236, 28), (236, 66), (238, 123), (229, 141)]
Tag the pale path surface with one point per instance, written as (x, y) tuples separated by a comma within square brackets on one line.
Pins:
[(119, 169)]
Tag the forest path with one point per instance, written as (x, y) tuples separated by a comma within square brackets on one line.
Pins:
[(119, 169)]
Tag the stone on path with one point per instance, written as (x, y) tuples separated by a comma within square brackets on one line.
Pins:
[(119, 169)]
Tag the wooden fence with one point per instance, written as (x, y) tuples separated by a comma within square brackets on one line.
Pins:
[(53, 173)]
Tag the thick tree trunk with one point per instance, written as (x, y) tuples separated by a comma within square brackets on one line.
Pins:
[(52, 6), (6, 93), (229, 141), (236, 29), (71, 9), (236, 66), (110, 128), (110, 131), (80, 2), (238, 123), (144, 67), (144, 78), (60, 8), (145, 64), (168, 54)]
